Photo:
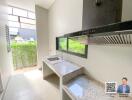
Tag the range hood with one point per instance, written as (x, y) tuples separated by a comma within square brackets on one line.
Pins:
[(116, 37), (116, 33)]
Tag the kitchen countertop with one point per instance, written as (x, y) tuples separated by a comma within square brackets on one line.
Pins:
[(61, 67), (81, 88)]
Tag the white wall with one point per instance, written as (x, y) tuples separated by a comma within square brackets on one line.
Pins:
[(64, 16), (126, 11), (107, 63), (5, 57), (104, 63), (42, 33)]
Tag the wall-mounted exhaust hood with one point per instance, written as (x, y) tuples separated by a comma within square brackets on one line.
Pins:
[(116, 37), (117, 33)]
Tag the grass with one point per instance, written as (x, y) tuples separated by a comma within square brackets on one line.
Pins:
[(63, 43), (77, 47), (24, 54), (74, 45)]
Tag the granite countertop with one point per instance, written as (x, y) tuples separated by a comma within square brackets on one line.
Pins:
[(65, 67), (81, 88), (62, 67)]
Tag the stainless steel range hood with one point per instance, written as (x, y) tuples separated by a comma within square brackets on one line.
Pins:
[(117, 37), (116, 33)]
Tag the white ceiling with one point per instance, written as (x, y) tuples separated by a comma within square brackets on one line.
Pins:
[(30, 4), (44, 3)]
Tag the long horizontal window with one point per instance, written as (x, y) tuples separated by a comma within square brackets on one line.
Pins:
[(72, 45), (75, 46), (63, 44)]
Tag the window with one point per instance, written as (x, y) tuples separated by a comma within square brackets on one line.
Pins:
[(12, 18), (9, 10), (22, 30), (19, 12), (28, 26), (63, 43), (13, 33), (13, 29), (72, 45), (20, 19), (31, 15), (26, 20), (75, 46), (14, 24)]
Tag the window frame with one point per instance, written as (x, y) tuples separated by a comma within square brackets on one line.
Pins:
[(27, 25), (66, 44), (69, 52), (15, 10)]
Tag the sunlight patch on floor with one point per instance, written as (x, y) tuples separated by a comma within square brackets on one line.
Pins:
[(31, 86)]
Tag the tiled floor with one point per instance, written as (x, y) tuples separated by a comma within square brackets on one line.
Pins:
[(31, 86)]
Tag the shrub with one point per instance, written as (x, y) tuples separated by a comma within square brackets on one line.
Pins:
[(24, 54)]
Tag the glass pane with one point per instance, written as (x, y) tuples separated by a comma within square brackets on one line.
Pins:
[(13, 29), (31, 15), (9, 10), (12, 18), (28, 26), (62, 43), (75, 46), (14, 24), (29, 21), (13, 33), (19, 12)]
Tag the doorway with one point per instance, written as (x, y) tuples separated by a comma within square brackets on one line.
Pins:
[(22, 29)]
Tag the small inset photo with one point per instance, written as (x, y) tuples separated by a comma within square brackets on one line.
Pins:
[(110, 87)]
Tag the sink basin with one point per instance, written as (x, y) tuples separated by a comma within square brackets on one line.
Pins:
[(53, 59)]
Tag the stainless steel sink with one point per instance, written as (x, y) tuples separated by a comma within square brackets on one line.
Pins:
[(53, 58)]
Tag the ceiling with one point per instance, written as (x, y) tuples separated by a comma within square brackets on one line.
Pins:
[(30, 4), (44, 3)]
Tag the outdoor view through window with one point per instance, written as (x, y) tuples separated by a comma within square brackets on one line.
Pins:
[(72, 45), (22, 29), (76, 46), (63, 44)]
